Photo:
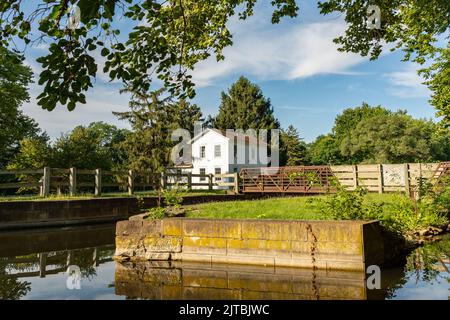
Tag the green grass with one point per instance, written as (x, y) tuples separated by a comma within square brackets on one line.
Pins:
[(298, 208)]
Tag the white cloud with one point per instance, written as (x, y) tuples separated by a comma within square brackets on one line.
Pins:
[(406, 83), (278, 52), (101, 102)]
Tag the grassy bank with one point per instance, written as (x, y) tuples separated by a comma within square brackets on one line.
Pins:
[(304, 208)]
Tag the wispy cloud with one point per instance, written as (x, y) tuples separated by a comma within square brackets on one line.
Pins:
[(270, 52), (407, 83), (101, 102)]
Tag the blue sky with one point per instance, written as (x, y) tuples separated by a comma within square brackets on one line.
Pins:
[(295, 63)]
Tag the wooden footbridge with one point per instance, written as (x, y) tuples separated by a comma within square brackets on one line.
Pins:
[(299, 179)]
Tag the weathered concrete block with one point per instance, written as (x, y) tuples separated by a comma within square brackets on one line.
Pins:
[(323, 245), (151, 227), (172, 227), (340, 248), (157, 256), (212, 228), (162, 244), (266, 230), (126, 228), (298, 231), (335, 231), (205, 245)]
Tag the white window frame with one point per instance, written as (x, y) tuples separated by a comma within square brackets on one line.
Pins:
[(215, 151), (200, 172), (220, 172), (202, 152)]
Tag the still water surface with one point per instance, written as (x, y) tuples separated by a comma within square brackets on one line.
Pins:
[(34, 265)]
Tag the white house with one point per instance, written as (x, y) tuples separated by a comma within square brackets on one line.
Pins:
[(214, 152)]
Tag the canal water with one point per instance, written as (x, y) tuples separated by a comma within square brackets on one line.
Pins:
[(76, 263)]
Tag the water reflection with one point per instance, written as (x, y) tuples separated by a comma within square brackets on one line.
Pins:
[(34, 263), (32, 260), (165, 280)]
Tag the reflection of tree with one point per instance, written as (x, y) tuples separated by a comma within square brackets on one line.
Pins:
[(421, 265), (10, 287), (423, 261)]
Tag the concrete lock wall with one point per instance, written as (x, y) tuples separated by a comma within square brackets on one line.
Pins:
[(333, 245), (32, 214), (51, 213)]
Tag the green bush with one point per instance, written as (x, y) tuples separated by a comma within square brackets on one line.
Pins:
[(350, 205), (173, 197), (404, 216), (156, 213)]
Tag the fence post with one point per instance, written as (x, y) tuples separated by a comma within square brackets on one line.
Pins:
[(380, 178), (210, 182), (236, 182), (98, 182), (72, 181), (189, 181), (355, 176), (406, 173), (46, 182), (163, 180), (130, 182)]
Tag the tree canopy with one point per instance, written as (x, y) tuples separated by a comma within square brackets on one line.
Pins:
[(292, 148), (170, 37), (368, 134), (245, 107), (85, 147), (14, 125), (420, 28)]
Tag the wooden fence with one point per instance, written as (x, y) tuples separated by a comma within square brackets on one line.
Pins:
[(73, 179), (376, 178), (383, 178)]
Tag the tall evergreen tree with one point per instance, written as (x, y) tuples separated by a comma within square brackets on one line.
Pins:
[(153, 117), (245, 107), (293, 149)]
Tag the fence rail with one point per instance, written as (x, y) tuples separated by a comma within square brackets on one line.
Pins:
[(379, 178), (73, 179)]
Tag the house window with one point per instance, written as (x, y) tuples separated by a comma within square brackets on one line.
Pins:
[(202, 152), (203, 173), (253, 154), (217, 151), (218, 171)]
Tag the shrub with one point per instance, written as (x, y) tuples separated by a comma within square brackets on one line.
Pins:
[(405, 216), (156, 213), (173, 198), (350, 205)]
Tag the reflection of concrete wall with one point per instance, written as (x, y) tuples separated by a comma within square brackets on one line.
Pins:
[(17, 243), (328, 245), (163, 280)]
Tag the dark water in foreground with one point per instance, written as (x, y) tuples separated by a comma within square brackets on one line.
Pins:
[(34, 265)]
